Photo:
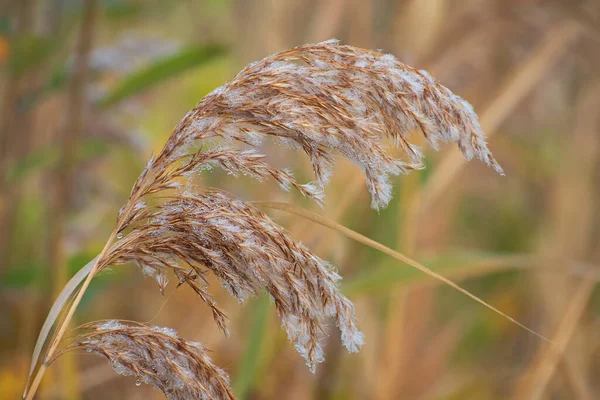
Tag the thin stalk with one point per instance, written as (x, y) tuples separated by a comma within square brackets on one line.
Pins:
[(398, 256), (62, 328)]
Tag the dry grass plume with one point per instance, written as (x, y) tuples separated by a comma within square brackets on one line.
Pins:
[(324, 99)]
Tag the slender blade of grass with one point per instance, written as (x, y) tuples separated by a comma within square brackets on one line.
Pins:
[(55, 310), (398, 256)]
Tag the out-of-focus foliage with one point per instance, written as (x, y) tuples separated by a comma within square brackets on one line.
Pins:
[(249, 362), (159, 71)]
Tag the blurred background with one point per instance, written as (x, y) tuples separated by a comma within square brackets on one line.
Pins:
[(89, 89)]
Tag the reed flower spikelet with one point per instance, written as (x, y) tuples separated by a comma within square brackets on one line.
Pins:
[(328, 98), (248, 253), (157, 356)]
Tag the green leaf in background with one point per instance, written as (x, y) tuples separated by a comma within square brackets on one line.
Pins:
[(48, 157), (22, 277), (30, 51), (57, 81), (453, 266), (43, 158), (105, 279), (35, 274), (123, 11), (5, 26), (249, 364), (144, 79)]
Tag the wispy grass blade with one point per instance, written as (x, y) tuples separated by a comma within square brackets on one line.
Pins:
[(54, 312), (384, 249)]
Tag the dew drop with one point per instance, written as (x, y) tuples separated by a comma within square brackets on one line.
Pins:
[(89, 350), (120, 236), (138, 383)]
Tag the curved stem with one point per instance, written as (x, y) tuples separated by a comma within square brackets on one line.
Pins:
[(58, 305), (65, 323), (62, 328)]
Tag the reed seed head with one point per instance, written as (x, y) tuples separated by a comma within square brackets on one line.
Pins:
[(248, 253), (327, 98), (157, 356), (324, 99)]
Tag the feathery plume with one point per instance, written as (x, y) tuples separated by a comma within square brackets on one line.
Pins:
[(248, 253), (321, 98), (157, 356), (324, 99)]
